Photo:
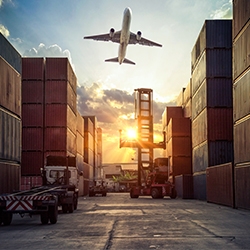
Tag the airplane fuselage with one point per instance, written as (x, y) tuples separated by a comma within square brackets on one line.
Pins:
[(125, 35)]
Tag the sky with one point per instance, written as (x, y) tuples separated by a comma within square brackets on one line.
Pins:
[(56, 28)]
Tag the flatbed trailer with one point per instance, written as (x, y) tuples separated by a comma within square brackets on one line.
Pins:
[(40, 200)]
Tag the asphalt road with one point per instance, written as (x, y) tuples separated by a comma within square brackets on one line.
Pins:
[(118, 222)]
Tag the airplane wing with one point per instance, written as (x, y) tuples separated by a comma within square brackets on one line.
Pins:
[(106, 37), (142, 41)]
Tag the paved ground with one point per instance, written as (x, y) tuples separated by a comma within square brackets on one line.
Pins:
[(118, 222)]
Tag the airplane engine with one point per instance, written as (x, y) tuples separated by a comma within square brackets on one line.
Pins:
[(138, 35), (111, 32)]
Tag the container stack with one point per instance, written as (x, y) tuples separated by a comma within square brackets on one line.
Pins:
[(10, 117), (241, 107), (212, 132), (99, 153)]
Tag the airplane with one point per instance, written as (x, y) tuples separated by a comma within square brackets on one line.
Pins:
[(123, 37)]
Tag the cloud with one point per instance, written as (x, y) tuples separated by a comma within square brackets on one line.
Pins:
[(51, 51), (3, 29), (1, 3), (225, 12)]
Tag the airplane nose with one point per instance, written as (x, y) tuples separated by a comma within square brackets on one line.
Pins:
[(128, 11)]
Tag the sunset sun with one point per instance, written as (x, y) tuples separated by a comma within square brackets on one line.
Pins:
[(131, 133)]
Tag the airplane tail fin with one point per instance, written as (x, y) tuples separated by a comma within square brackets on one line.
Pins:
[(116, 60)]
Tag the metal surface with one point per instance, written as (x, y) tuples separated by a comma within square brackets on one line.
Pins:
[(184, 186), (241, 52), (79, 143), (220, 184), (199, 183), (241, 14), (33, 68), (10, 82), (32, 162), (37, 90), (10, 54), (213, 93), (178, 127), (214, 34), (60, 69), (212, 63), (180, 165), (187, 109), (60, 92), (242, 186), (10, 136), (171, 112), (32, 115), (187, 94), (242, 141), (10, 177), (179, 146), (32, 138), (80, 124)]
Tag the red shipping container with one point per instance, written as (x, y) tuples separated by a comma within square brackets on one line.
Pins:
[(32, 68), (32, 162), (171, 112), (32, 139), (220, 184), (60, 69), (179, 146), (37, 90), (184, 186), (32, 115), (180, 165), (60, 92)]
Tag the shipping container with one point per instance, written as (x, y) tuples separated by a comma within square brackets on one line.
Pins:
[(60, 115), (199, 184), (171, 112), (213, 93), (241, 15), (220, 184), (59, 139), (214, 34), (180, 165), (60, 92), (32, 162), (10, 136), (80, 124), (241, 52), (10, 176), (211, 153), (10, 82), (32, 115), (28, 182), (179, 146), (179, 127), (89, 156), (79, 144), (213, 63), (242, 186), (33, 68), (184, 186), (187, 94), (60, 69), (242, 141), (10, 54), (241, 93), (180, 98), (212, 124), (187, 109), (32, 138), (37, 90), (88, 126)]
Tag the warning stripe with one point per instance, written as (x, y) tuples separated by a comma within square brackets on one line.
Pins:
[(19, 205), (25, 198)]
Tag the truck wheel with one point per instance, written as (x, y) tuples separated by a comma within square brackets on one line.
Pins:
[(71, 208), (155, 193), (53, 212), (173, 194), (6, 218), (65, 208), (44, 218), (132, 195), (104, 194), (75, 201)]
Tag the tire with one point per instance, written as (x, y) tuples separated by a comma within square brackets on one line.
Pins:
[(155, 193), (71, 208), (173, 194), (53, 213), (6, 218), (75, 201), (104, 194), (132, 195), (1, 217), (64, 208), (45, 218)]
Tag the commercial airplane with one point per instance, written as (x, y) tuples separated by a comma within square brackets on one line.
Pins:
[(123, 37)]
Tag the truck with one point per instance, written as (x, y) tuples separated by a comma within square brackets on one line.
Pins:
[(60, 181), (97, 188)]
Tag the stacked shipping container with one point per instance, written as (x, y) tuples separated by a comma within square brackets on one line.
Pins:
[(241, 107), (10, 117), (212, 134)]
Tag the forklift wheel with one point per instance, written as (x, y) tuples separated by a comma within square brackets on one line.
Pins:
[(173, 194), (155, 193)]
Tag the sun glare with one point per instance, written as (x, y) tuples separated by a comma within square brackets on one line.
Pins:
[(131, 133)]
